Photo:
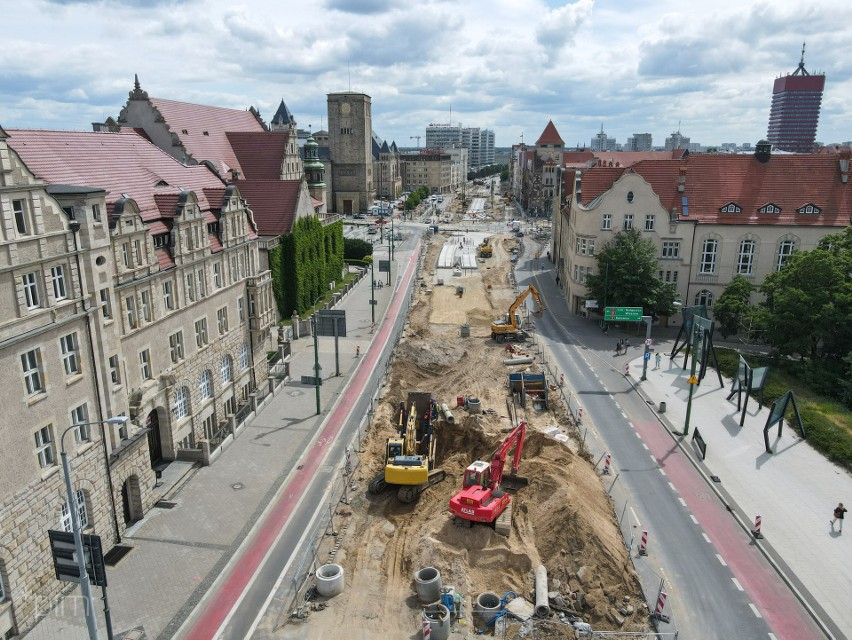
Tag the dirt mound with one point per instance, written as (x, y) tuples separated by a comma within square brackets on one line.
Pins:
[(562, 519)]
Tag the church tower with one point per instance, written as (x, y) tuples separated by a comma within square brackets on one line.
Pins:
[(314, 170)]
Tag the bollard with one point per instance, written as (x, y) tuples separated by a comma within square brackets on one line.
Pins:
[(643, 545), (562, 381), (627, 369), (756, 531), (357, 350), (606, 464)]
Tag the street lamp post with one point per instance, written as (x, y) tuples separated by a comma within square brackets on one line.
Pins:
[(80, 557), (372, 290), (695, 335)]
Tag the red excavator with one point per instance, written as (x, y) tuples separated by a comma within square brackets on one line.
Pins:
[(483, 497)]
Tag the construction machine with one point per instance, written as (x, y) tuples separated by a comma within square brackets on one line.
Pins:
[(485, 249), (482, 497), (410, 455), (508, 327)]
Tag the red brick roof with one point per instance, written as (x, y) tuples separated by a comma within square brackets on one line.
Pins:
[(205, 129), (273, 203), (712, 181), (259, 154), (550, 135), (119, 163)]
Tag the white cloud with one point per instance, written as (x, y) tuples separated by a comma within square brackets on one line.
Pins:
[(509, 65)]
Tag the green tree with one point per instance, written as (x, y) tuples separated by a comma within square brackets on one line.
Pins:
[(733, 305), (627, 276), (356, 249), (809, 301)]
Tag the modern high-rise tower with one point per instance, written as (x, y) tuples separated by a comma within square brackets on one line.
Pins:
[(796, 100)]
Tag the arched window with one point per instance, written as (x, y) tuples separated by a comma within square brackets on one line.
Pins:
[(206, 385), (227, 374), (82, 513), (745, 257), (785, 250), (709, 250), (244, 357), (181, 407), (704, 297)]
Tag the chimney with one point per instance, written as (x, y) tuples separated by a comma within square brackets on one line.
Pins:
[(681, 179)]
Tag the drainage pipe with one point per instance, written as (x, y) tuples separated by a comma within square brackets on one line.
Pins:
[(427, 584), (542, 604), (448, 415), (524, 360)]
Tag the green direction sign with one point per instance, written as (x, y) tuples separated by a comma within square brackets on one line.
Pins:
[(623, 314)]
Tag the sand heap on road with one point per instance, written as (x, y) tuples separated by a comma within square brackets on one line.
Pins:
[(563, 519)]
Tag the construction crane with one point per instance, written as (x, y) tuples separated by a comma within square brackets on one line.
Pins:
[(508, 327), (482, 497), (416, 138), (410, 455)]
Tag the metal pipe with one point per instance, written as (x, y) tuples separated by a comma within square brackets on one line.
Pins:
[(542, 604)]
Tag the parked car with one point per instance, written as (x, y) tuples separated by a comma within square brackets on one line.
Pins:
[(372, 229), (359, 216)]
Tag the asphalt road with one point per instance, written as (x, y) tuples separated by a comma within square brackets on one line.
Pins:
[(718, 584)]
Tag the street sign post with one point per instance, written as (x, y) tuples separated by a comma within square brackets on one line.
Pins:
[(623, 314)]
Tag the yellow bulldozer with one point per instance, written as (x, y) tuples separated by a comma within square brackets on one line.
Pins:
[(410, 455), (508, 327), (485, 249)]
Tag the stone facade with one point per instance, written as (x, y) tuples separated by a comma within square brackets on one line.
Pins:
[(428, 169), (91, 280), (350, 126)]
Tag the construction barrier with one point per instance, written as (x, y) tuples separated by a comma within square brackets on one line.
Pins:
[(757, 523), (427, 629), (661, 604), (606, 464), (643, 544), (580, 414)]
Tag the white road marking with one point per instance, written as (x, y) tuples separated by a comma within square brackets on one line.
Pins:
[(618, 406), (646, 448), (682, 501), (707, 538), (754, 609), (672, 487), (722, 561), (635, 517), (633, 426), (694, 519), (737, 584), (663, 471), (653, 459), (772, 636)]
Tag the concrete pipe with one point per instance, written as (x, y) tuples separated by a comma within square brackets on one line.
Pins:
[(427, 583), (448, 415), (487, 606), (511, 361), (474, 405), (438, 617), (542, 601), (330, 580)]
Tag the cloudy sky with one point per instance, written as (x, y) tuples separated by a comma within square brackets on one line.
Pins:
[(507, 65)]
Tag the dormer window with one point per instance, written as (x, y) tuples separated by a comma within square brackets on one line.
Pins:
[(809, 208), (184, 131), (731, 208), (161, 241), (769, 208)]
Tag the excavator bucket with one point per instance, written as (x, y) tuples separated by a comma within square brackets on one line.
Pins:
[(515, 482)]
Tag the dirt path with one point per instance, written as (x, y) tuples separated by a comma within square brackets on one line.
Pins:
[(563, 519)]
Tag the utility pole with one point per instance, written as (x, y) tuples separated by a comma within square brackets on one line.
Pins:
[(372, 291), (646, 356), (694, 340), (317, 368)]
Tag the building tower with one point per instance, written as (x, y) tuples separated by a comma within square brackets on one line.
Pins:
[(314, 170), (796, 100), (350, 126)]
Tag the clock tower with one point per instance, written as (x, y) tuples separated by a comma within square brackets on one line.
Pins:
[(350, 127)]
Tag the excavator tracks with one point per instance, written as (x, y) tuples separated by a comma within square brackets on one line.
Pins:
[(503, 523)]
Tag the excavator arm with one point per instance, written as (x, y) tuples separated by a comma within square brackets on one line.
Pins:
[(498, 461), (520, 299)]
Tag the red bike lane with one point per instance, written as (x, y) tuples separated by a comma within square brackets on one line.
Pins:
[(232, 588), (782, 611)]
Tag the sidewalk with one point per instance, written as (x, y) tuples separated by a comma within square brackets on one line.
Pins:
[(179, 551), (794, 489)]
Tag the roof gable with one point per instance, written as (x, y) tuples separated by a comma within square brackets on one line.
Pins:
[(274, 204), (259, 153)]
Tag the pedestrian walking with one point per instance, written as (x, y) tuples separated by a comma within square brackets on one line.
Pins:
[(839, 510), (617, 348), (627, 344), (657, 359), (621, 345)]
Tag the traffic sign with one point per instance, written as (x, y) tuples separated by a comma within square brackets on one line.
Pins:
[(648, 342), (692, 379), (646, 355), (623, 314)]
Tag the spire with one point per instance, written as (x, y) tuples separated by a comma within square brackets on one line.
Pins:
[(137, 93)]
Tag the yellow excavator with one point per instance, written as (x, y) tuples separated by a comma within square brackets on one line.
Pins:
[(485, 249), (508, 327), (410, 455)]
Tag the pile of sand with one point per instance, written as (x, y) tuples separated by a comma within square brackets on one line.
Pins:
[(562, 519)]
